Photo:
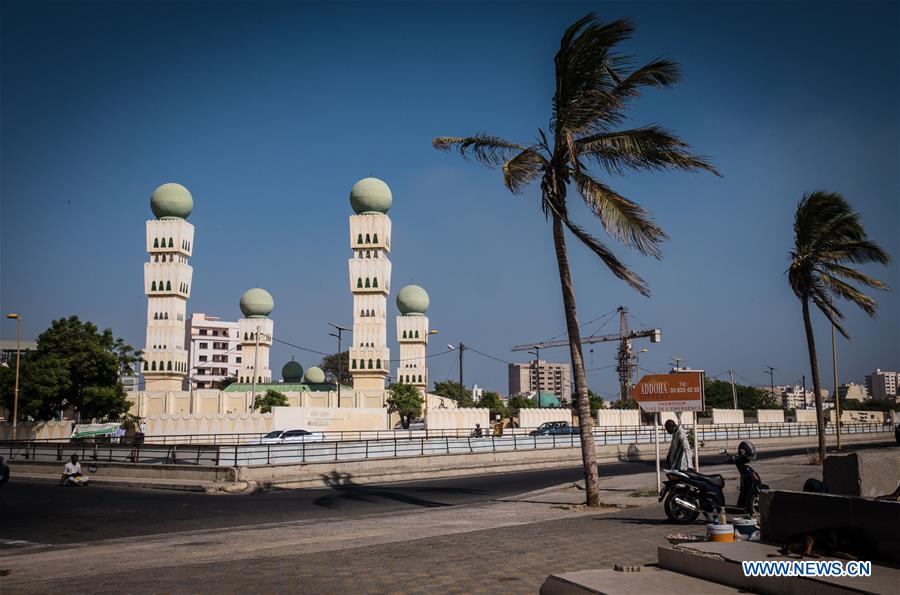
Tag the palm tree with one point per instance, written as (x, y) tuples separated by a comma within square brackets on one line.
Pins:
[(829, 236), (594, 86)]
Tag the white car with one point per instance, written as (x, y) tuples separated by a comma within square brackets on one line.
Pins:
[(289, 436)]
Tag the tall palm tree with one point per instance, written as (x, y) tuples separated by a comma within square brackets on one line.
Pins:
[(828, 237), (594, 85)]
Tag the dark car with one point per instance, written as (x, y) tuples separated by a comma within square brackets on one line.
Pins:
[(555, 428)]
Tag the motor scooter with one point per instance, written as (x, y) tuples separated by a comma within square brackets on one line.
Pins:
[(688, 494)]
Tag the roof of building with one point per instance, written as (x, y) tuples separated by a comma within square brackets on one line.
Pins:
[(314, 375), (171, 200), (370, 195), (412, 299), (257, 303), (292, 372)]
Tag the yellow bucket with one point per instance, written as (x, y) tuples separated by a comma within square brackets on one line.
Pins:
[(720, 533)]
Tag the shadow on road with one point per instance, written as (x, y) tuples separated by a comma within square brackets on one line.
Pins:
[(343, 483)]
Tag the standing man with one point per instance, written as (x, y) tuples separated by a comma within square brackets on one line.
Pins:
[(680, 455)]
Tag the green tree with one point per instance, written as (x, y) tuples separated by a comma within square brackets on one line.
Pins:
[(406, 400), (451, 390), (718, 395), (75, 365), (829, 237), (521, 402), (329, 365), (491, 400), (628, 403), (272, 398), (595, 400), (594, 86)]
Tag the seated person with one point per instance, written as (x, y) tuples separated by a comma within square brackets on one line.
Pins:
[(72, 471)]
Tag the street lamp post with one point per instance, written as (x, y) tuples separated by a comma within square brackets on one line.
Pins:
[(637, 362), (340, 329), (18, 319)]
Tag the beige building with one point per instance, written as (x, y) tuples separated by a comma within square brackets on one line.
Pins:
[(851, 390), (882, 384), (541, 375), (167, 284), (412, 335), (255, 333), (214, 349)]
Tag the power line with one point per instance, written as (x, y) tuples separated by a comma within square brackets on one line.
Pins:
[(470, 348)]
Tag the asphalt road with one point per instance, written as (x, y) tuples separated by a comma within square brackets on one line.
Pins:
[(43, 512)]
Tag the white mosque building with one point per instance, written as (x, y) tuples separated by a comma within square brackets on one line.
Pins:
[(412, 335)]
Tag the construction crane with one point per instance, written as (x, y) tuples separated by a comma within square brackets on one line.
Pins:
[(624, 357)]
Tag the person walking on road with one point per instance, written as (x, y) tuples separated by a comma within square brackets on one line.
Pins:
[(680, 455)]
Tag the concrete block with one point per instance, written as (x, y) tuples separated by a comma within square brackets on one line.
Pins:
[(611, 582), (866, 474), (870, 527)]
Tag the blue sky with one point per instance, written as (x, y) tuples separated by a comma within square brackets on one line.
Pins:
[(269, 112)]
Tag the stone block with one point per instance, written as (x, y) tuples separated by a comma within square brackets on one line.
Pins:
[(866, 474)]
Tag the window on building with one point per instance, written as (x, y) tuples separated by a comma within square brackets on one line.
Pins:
[(375, 282), (237, 360), (378, 364), (202, 358), (368, 284), (375, 238), (171, 243), (368, 240), (168, 286), (353, 364), (417, 334), (370, 364), (359, 239), (156, 242), (145, 365), (204, 345), (404, 335), (152, 366), (420, 379), (203, 331), (359, 283), (153, 286)]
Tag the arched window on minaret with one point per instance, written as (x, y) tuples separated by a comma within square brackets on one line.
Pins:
[(353, 364), (167, 315), (359, 239), (168, 286), (375, 282), (368, 239), (417, 334), (370, 364), (156, 316), (169, 368), (359, 282), (420, 378), (171, 243), (153, 366), (153, 286), (156, 242), (145, 365), (378, 364), (368, 284), (404, 335), (374, 238)]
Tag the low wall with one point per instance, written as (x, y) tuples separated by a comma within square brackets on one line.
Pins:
[(770, 416), (38, 430), (687, 417), (727, 416), (330, 419), (806, 416), (532, 418), (188, 424), (130, 470), (619, 417), (461, 418), (866, 474)]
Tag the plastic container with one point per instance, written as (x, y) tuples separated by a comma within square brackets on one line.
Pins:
[(745, 528), (721, 533)]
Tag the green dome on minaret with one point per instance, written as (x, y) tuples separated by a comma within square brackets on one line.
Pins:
[(257, 303), (314, 375), (171, 200), (292, 372), (370, 195), (412, 299)]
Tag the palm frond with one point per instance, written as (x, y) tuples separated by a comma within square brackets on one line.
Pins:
[(849, 293), (623, 219), (523, 169), (648, 147), (491, 151), (850, 273)]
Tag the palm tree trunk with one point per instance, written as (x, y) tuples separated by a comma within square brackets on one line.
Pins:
[(814, 369), (585, 421)]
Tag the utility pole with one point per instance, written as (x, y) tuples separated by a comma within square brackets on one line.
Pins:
[(462, 387), (803, 378), (733, 390), (837, 397), (18, 320), (340, 357), (771, 374), (677, 364)]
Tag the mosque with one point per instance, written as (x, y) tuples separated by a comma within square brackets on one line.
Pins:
[(167, 285)]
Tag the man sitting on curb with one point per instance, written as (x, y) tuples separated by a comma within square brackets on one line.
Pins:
[(72, 473)]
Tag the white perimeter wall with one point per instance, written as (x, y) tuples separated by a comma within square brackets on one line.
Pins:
[(727, 416), (532, 418), (461, 418), (619, 417), (806, 416), (770, 416), (330, 419)]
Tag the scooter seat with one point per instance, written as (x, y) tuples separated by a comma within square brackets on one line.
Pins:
[(716, 480)]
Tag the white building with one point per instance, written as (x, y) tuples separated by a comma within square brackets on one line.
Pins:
[(552, 377), (412, 335), (214, 349), (882, 384), (255, 333), (370, 284), (853, 391), (793, 396), (167, 284)]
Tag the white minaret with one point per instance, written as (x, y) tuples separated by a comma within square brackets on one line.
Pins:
[(412, 334), (370, 283), (255, 331), (167, 283)]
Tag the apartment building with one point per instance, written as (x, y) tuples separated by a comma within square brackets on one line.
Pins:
[(214, 350), (853, 391), (541, 375)]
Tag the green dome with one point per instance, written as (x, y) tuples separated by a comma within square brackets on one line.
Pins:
[(370, 195), (171, 200), (257, 303), (314, 375), (412, 299), (292, 372)]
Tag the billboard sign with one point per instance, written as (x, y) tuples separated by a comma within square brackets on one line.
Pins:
[(680, 391)]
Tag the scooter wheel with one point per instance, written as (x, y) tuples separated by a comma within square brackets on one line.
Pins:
[(677, 513)]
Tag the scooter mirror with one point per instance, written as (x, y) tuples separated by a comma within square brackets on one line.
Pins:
[(722, 451)]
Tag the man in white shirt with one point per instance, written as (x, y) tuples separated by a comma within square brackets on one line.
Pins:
[(72, 471), (680, 456)]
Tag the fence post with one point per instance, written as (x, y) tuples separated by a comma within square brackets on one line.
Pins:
[(515, 447), (422, 450), (367, 449), (336, 450), (447, 442), (268, 454), (235, 455), (303, 451), (395, 445)]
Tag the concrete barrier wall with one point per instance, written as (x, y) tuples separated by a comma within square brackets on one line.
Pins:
[(532, 418), (619, 417), (38, 430), (333, 419), (770, 416), (687, 417), (460, 418), (806, 416), (866, 474), (178, 424), (727, 416)]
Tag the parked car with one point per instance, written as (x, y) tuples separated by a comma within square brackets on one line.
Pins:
[(288, 436), (557, 428)]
